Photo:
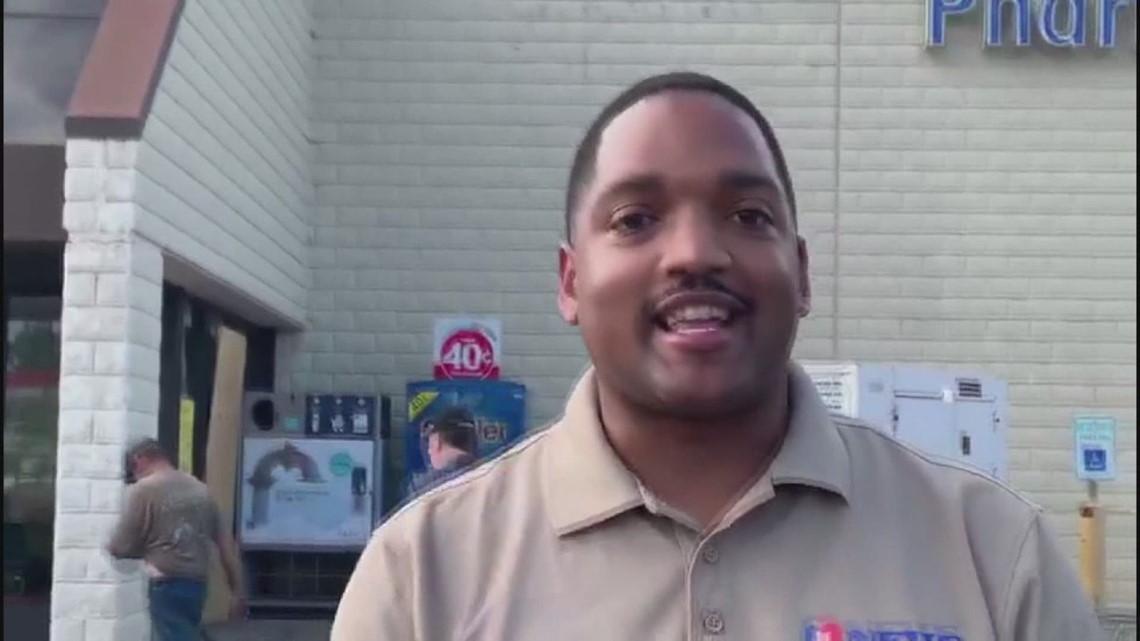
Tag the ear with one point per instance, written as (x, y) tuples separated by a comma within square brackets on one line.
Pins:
[(567, 284), (804, 306)]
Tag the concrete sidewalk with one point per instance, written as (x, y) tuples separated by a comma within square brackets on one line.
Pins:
[(269, 630)]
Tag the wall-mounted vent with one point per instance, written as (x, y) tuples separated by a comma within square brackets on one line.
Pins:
[(969, 388)]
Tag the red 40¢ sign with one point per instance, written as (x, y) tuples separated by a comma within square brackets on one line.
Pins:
[(466, 348)]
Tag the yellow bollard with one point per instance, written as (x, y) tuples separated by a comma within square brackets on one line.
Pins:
[(1092, 558)]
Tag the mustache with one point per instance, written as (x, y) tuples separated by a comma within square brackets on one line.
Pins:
[(702, 283)]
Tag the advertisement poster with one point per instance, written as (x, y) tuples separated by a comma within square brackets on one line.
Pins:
[(453, 423), (467, 348), (306, 492)]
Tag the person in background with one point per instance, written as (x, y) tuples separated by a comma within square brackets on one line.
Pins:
[(695, 486), (452, 446), (170, 521)]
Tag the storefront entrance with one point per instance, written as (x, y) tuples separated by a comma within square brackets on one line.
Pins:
[(31, 410)]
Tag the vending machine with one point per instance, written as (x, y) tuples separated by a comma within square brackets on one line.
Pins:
[(483, 417)]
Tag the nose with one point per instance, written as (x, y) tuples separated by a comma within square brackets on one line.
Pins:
[(693, 246)]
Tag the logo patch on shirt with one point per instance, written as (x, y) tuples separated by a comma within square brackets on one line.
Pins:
[(822, 629)]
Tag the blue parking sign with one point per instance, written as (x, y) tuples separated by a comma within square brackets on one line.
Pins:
[(1096, 459), (1095, 447)]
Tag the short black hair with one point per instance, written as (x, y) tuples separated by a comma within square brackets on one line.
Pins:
[(455, 427), (582, 169)]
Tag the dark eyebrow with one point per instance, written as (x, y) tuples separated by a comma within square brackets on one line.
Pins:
[(637, 184), (746, 180), (738, 180)]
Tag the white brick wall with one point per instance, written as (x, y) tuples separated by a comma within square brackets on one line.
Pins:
[(988, 218), (224, 163), (985, 200), (108, 391), (444, 131)]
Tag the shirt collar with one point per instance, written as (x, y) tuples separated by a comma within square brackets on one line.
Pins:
[(814, 453), (585, 483)]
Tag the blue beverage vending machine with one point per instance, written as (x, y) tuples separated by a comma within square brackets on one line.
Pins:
[(458, 419)]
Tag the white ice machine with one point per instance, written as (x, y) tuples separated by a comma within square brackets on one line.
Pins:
[(957, 415)]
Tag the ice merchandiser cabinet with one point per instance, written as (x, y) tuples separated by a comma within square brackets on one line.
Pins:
[(496, 408), (953, 414), (310, 477)]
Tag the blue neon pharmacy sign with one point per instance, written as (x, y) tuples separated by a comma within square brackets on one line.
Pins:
[(1058, 23)]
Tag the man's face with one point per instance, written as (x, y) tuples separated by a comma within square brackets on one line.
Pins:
[(686, 275), (141, 467), (435, 451)]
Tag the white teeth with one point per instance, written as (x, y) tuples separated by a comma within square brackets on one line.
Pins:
[(696, 313)]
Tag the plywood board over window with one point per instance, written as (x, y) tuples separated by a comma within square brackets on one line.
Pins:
[(222, 450)]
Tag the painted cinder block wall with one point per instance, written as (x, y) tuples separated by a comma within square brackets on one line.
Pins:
[(220, 180), (963, 207), (225, 161), (110, 333), (987, 219)]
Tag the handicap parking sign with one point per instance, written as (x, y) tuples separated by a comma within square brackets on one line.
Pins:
[(1095, 447), (1096, 459)]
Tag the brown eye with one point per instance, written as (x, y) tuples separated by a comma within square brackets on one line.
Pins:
[(752, 218), (633, 222)]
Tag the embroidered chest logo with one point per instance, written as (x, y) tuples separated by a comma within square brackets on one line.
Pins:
[(834, 630)]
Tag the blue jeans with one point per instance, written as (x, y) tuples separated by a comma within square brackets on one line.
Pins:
[(176, 608)]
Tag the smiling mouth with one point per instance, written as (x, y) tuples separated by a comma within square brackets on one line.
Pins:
[(695, 318)]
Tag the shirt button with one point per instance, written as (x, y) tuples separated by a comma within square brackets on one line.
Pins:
[(710, 554), (713, 622)]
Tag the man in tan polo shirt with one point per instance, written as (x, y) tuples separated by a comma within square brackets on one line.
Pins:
[(696, 487)]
